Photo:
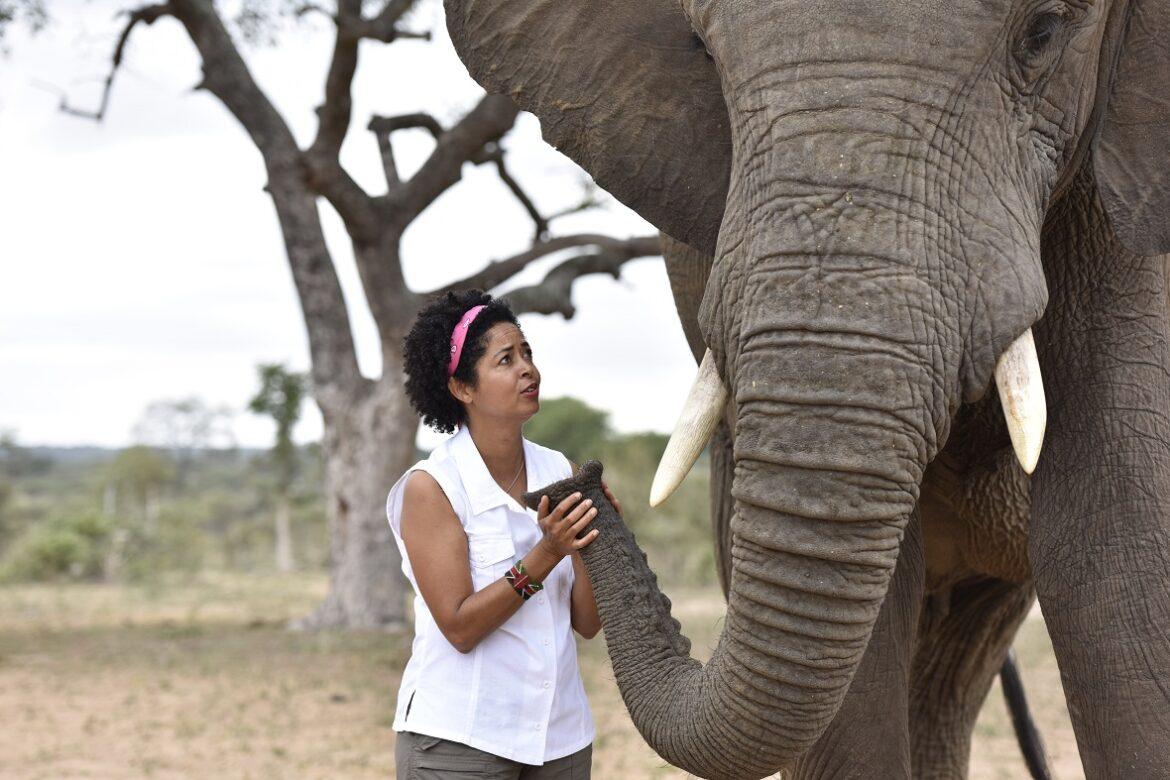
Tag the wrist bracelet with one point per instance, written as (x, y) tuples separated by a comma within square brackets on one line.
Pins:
[(521, 582)]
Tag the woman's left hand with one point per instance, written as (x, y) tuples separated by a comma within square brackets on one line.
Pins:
[(616, 504)]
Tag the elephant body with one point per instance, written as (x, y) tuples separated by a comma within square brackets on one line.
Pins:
[(872, 212)]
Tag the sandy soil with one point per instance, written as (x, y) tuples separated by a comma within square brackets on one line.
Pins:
[(199, 679)]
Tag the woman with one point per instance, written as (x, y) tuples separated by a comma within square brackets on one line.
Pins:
[(492, 685)]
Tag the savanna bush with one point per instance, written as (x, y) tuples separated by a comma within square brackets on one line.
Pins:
[(64, 547)]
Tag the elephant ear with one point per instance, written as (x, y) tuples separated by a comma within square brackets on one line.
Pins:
[(626, 89), (1132, 155), (688, 271)]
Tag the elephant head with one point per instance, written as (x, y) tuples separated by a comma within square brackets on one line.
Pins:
[(871, 180)]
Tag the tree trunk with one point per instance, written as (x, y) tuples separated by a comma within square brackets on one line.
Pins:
[(115, 555), (368, 444), (283, 533), (150, 506)]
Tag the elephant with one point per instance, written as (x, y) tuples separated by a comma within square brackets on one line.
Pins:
[(924, 246)]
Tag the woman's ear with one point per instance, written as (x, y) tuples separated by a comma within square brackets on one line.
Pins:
[(623, 87), (459, 389), (1131, 157)]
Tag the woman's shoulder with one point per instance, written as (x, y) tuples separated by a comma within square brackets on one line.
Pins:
[(433, 479), (424, 492)]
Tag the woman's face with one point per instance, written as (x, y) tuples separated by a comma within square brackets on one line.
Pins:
[(507, 382)]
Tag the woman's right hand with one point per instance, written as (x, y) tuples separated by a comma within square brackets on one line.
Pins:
[(562, 524)]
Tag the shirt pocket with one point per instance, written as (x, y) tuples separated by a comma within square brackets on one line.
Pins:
[(491, 555)]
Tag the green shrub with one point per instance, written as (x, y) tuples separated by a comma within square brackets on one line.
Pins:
[(68, 547)]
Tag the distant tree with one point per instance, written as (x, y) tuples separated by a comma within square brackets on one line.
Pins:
[(280, 396), (184, 426), (29, 12), (17, 461), (139, 473), (142, 473), (369, 427), (571, 426)]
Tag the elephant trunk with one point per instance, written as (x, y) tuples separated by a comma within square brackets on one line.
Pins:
[(825, 481)]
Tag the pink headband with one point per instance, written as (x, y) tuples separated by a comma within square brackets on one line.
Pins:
[(458, 335)]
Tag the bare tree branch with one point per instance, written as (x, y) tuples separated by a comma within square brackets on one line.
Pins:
[(366, 30), (386, 151), (486, 123), (147, 15), (312, 8), (334, 359), (379, 28), (588, 201), (335, 112), (383, 126), (494, 154), (357, 209), (491, 152), (383, 26), (554, 294), (501, 271)]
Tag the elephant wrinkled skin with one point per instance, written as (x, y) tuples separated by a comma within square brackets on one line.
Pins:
[(867, 203)]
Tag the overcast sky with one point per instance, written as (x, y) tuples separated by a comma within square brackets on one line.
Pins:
[(142, 261)]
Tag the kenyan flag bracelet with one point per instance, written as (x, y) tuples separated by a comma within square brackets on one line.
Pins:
[(523, 584)]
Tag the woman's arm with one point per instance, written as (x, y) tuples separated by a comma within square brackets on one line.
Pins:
[(437, 548), (582, 606)]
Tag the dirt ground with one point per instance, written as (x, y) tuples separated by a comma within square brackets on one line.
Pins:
[(200, 680)]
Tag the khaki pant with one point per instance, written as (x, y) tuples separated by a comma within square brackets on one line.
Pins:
[(419, 757)]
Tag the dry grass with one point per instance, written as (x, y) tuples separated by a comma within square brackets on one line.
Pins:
[(200, 680)]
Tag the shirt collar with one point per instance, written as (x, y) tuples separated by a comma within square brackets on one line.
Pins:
[(483, 492)]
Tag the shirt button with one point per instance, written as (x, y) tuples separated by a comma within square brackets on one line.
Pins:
[(479, 557), (547, 683), (540, 600), (544, 642)]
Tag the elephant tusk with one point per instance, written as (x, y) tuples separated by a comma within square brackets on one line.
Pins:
[(1021, 393), (696, 423)]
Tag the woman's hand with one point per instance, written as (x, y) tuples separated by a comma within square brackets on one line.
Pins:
[(562, 524)]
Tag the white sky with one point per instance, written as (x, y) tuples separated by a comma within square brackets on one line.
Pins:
[(140, 259)]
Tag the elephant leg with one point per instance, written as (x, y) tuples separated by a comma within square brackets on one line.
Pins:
[(1100, 533), (964, 635), (869, 737)]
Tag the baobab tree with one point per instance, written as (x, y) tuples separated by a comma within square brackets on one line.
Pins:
[(369, 427)]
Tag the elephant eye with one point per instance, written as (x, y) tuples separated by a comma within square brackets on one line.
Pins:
[(1040, 33)]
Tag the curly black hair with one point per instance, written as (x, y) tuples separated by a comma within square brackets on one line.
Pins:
[(427, 349)]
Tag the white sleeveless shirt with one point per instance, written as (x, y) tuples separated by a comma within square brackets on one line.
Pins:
[(518, 693)]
